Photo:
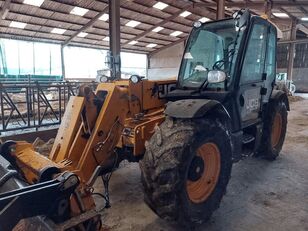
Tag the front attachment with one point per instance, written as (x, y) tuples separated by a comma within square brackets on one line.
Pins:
[(50, 198)]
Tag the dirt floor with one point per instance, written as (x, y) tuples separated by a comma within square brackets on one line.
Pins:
[(261, 195)]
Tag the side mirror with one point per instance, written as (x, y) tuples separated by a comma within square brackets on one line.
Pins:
[(216, 76), (241, 18)]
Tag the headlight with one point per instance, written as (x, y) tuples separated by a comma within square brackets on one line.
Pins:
[(103, 79), (135, 78)]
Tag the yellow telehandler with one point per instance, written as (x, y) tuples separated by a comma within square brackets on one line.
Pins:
[(185, 133)]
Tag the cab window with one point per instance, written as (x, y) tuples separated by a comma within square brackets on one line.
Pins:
[(253, 65)]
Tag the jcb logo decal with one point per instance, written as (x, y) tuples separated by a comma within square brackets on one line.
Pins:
[(252, 104)]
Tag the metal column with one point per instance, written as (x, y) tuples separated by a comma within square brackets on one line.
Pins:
[(292, 50), (114, 35), (220, 14), (62, 62), (268, 9)]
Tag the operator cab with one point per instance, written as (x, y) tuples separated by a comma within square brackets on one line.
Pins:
[(232, 61)]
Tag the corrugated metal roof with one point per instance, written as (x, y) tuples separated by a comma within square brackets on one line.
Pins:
[(56, 14)]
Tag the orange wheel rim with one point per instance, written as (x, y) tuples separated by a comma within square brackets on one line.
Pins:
[(276, 130), (203, 173)]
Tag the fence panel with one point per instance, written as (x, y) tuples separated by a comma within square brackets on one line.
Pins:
[(34, 105)]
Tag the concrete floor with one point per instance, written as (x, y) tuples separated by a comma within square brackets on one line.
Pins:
[(261, 195)]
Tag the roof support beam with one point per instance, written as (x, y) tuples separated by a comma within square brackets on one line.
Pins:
[(175, 15), (302, 28), (5, 9), (86, 26), (166, 20), (90, 23), (256, 5), (220, 9), (98, 32)]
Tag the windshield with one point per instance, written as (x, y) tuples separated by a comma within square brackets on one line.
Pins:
[(213, 46)]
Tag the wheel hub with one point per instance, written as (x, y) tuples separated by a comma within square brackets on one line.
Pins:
[(196, 169), (203, 173)]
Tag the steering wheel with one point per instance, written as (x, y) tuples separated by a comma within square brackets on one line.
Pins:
[(218, 64)]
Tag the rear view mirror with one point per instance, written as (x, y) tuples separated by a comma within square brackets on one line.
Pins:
[(216, 76)]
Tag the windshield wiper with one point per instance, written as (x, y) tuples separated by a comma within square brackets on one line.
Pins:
[(200, 88), (203, 85)]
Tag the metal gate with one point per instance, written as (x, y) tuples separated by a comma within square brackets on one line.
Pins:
[(35, 104)]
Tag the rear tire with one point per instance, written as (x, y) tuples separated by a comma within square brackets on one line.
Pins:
[(177, 186), (274, 131)]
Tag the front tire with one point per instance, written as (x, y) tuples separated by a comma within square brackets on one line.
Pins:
[(186, 169)]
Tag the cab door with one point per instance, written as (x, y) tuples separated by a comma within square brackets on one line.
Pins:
[(252, 74), (270, 64)]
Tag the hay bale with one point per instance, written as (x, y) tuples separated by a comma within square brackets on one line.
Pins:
[(42, 147), (293, 98)]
